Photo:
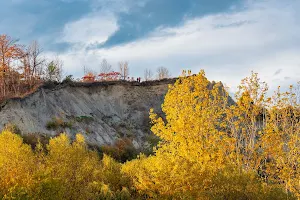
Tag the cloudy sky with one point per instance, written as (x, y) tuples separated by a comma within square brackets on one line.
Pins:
[(226, 38)]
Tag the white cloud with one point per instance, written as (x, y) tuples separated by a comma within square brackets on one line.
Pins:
[(264, 37), (95, 28), (98, 26)]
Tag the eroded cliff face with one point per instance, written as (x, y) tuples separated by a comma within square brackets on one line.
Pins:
[(102, 112)]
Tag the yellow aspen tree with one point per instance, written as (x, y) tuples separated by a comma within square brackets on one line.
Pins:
[(194, 112), (17, 167), (72, 166), (69, 170), (247, 118), (197, 157), (193, 144), (280, 140)]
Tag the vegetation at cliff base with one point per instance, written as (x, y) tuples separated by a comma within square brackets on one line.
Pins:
[(209, 149)]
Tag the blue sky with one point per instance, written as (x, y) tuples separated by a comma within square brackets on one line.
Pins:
[(227, 38)]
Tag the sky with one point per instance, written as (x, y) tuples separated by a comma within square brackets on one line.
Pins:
[(226, 38)]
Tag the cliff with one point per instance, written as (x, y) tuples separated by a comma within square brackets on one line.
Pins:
[(102, 111)]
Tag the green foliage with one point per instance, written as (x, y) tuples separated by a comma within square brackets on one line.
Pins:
[(84, 119), (68, 79)]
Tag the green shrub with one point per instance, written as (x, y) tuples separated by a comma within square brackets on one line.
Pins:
[(68, 79), (66, 125), (52, 125), (85, 119)]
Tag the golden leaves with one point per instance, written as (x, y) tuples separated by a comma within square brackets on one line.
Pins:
[(67, 170), (208, 145)]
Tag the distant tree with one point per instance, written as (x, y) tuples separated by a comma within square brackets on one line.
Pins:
[(105, 67), (10, 51), (33, 54), (162, 72), (148, 74), (53, 71), (124, 69), (68, 79), (33, 63), (89, 77)]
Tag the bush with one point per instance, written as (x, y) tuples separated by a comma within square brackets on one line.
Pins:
[(33, 139), (123, 150), (68, 79), (52, 125), (84, 119), (12, 128), (63, 170), (17, 167), (69, 170), (56, 123)]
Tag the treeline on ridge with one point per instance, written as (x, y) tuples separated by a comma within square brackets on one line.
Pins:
[(24, 68)]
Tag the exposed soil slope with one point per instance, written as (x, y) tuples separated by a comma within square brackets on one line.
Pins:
[(102, 112)]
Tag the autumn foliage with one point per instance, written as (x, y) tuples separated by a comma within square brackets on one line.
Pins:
[(17, 74), (23, 69), (210, 148)]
